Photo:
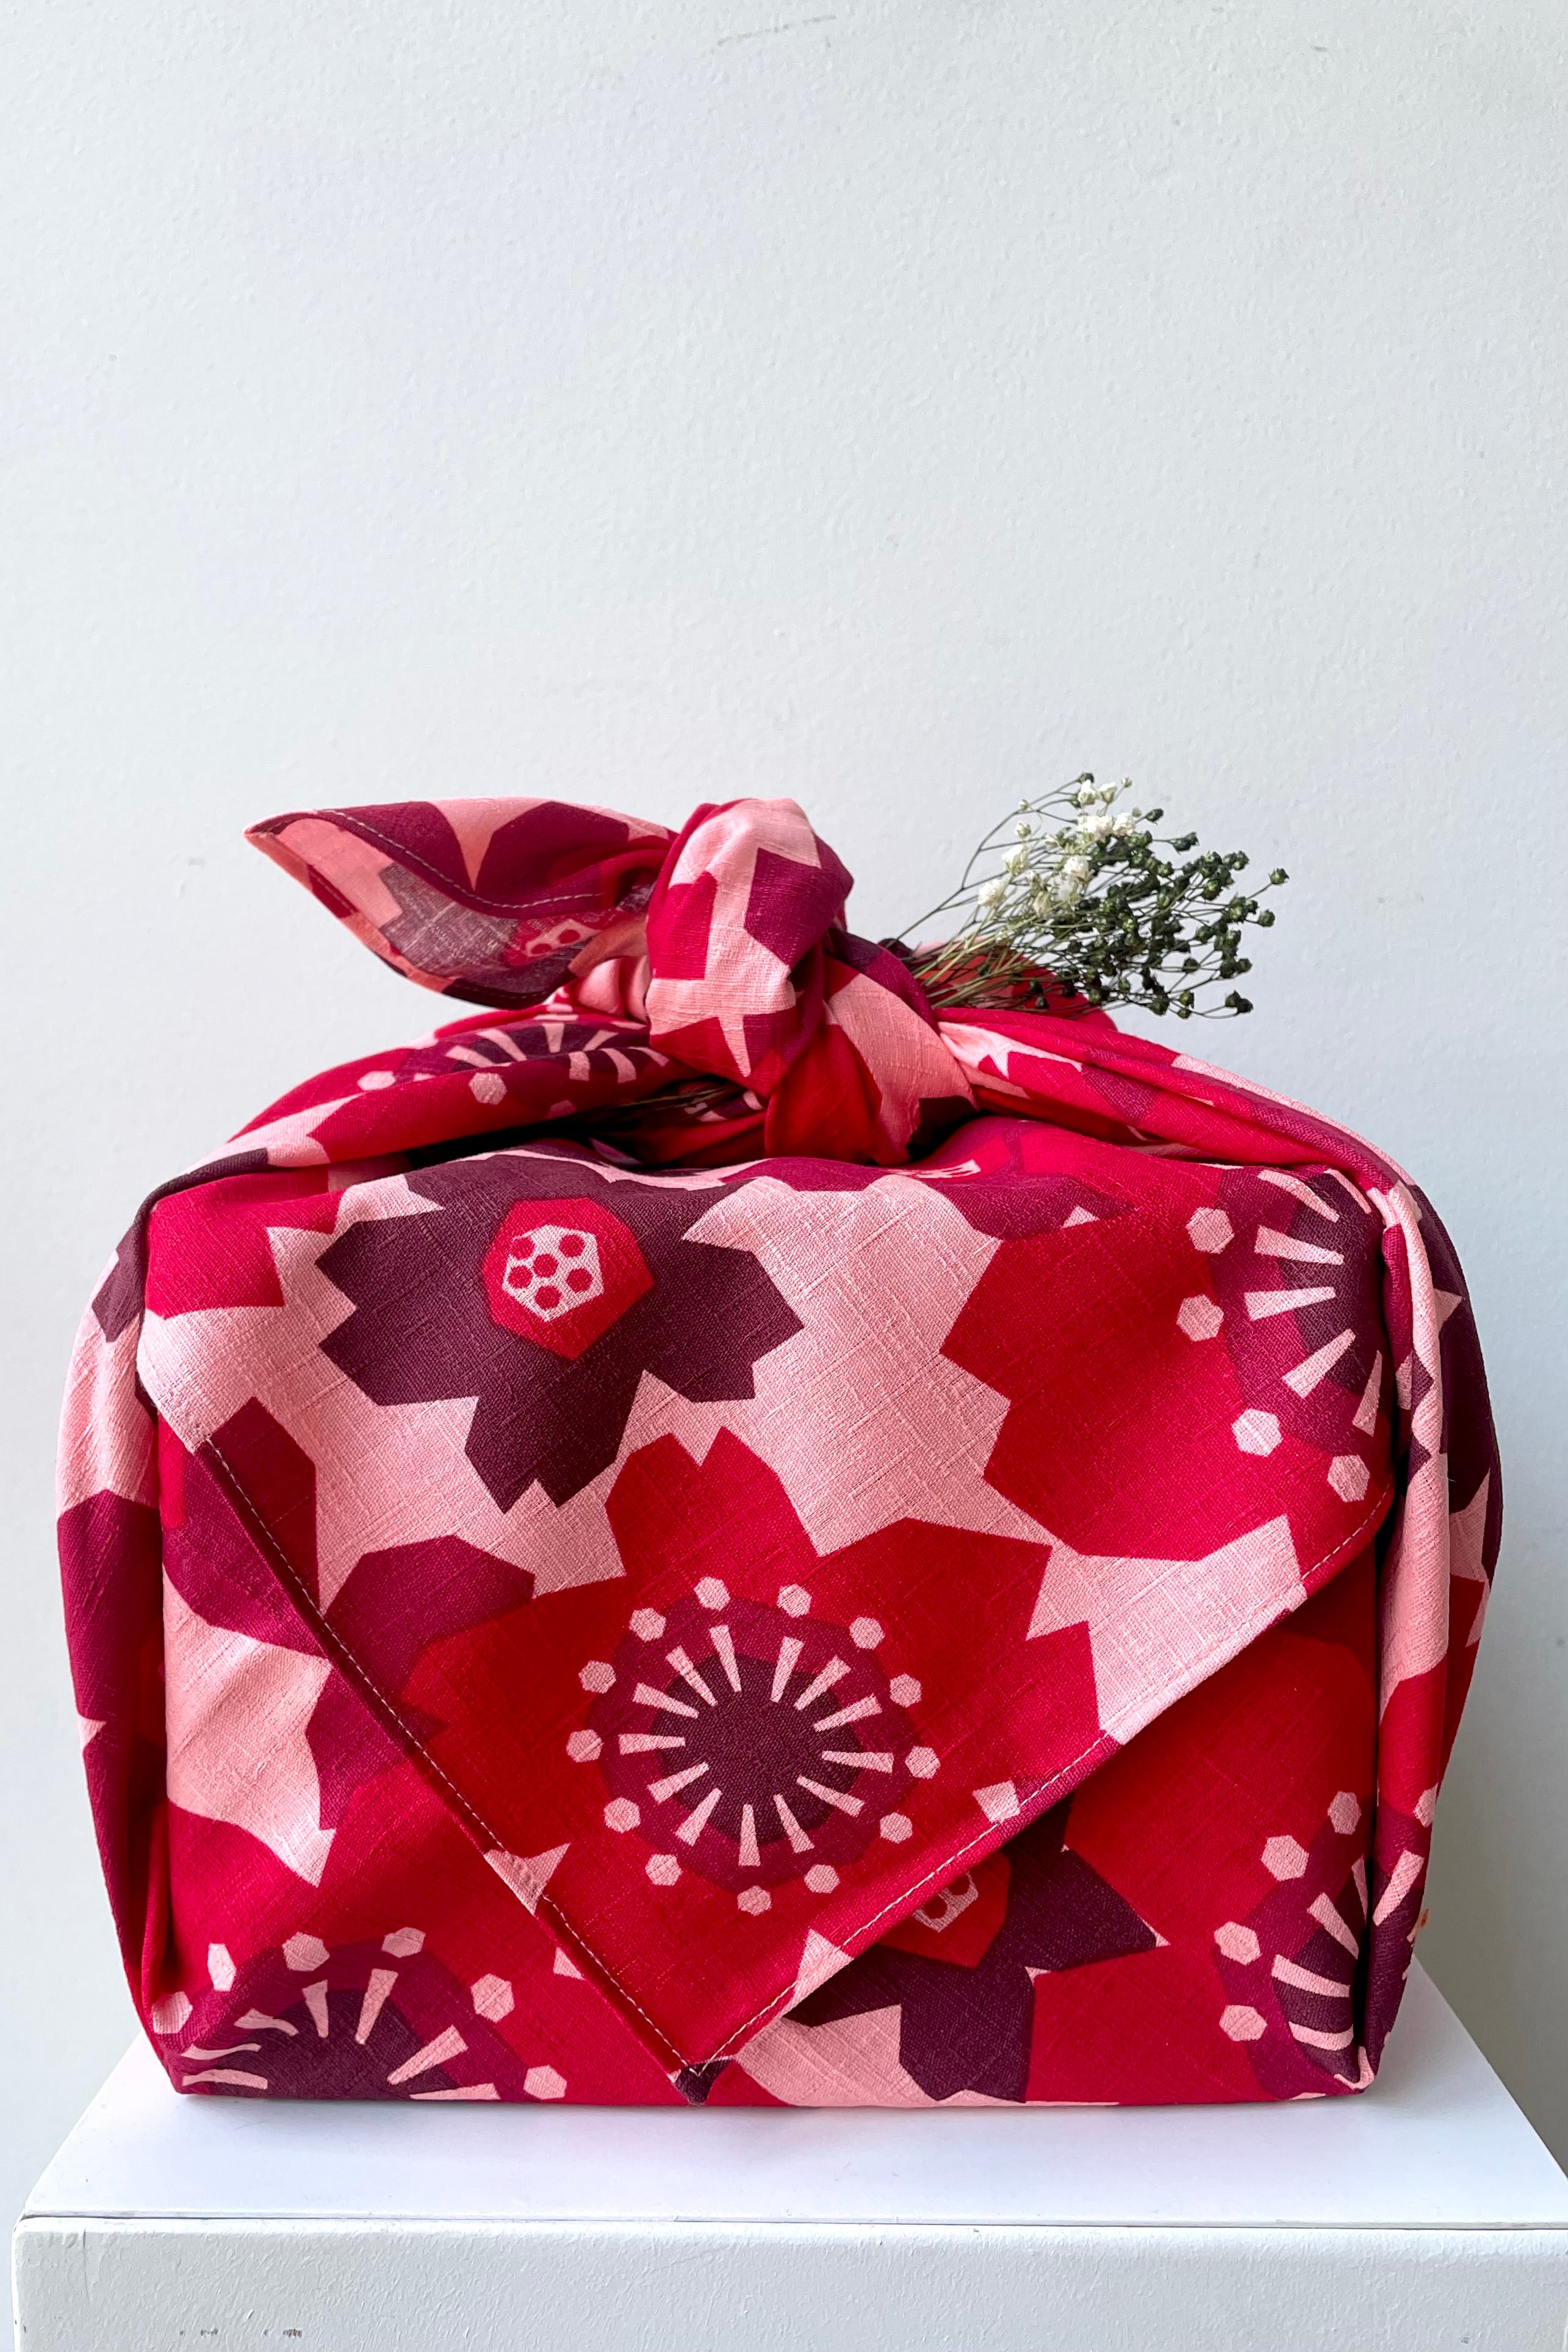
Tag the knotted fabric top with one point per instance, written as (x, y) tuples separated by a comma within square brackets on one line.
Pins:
[(723, 943), (375, 1521)]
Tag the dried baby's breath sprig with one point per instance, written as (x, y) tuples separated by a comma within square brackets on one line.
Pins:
[(1070, 895)]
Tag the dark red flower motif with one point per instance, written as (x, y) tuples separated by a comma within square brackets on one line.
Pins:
[(1297, 1270), (1292, 1968), (966, 2005), (516, 1044), (779, 1735), (367, 2021), (461, 1304)]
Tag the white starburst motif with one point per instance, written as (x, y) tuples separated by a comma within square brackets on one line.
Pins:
[(347, 2031), (768, 1746), (1319, 1378), (1297, 1966)]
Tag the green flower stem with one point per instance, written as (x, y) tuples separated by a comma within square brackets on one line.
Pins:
[(1082, 903)]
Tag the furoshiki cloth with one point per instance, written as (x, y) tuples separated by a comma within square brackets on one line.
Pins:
[(708, 1532)]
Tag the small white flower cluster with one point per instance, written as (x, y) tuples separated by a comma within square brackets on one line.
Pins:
[(1096, 822), (1045, 871), (1075, 895)]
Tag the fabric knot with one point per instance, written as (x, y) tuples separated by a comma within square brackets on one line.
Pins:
[(723, 945)]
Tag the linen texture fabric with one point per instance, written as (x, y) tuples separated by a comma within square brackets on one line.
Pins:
[(705, 1532)]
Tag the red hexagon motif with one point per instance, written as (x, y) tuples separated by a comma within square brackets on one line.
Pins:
[(561, 1272)]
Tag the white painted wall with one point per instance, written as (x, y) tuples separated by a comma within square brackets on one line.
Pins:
[(897, 403)]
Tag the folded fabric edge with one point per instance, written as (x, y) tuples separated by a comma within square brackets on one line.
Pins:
[(527, 1877)]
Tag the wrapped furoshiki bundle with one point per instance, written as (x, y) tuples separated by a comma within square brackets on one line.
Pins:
[(708, 1532)]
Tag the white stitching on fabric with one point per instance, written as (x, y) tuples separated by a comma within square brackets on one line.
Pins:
[(947, 1870), (940, 1874), (468, 1810)]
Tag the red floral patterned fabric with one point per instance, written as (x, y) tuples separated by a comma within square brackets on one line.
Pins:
[(705, 1532)]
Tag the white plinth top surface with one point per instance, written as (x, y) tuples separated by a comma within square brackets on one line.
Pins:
[(1425, 2216), (1438, 2144)]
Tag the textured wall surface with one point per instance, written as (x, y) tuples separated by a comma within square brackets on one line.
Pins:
[(899, 403)]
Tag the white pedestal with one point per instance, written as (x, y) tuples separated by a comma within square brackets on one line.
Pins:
[(1427, 2215)]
